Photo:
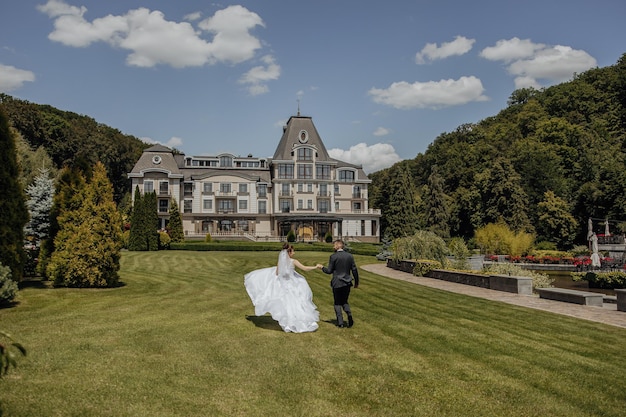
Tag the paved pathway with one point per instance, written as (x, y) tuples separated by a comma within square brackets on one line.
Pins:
[(608, 314)]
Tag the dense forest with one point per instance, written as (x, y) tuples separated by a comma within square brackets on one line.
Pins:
[(68, 139), (549, 161)]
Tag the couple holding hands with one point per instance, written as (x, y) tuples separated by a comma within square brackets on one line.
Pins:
[(286, 295)]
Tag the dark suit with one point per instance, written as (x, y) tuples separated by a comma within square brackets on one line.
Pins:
[(343, 268)]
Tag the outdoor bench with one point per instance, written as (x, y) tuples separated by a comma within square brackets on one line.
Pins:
[(571, 296)]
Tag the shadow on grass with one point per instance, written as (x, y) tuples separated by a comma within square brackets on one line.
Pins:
[(46, 284), (265, 322)]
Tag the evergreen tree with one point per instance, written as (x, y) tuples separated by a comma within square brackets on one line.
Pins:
[(89, 241), (40, 193), (402, 218), (437, 205), (151, 221), (175, 226), (12, 204), (137, 240)]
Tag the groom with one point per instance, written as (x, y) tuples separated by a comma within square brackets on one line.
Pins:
[(341, 264)]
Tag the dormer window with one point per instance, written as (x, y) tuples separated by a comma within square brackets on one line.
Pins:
[(226, 161), (156, 159), (305, 154)]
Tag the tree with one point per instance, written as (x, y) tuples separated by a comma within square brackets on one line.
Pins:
[(437, 205), (175, 226), (137, 240), (402, 218), (151, 220), (555, 223), (88, 244), (40, 193), (12, 204)]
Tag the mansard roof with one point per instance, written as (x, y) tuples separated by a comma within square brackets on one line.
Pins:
[(157, 158), (291, 134)]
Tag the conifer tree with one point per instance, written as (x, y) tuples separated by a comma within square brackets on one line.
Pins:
[(175, 226), (137, 240), (12, 204), (402, 218), (151, 220), (89, 241), (40, 194), (436, 205)]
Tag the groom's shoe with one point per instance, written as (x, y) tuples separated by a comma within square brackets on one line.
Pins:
[(350, 321), (341, 326)]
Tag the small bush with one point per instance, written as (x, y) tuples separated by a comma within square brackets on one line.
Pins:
[(605, 280), (164, 240), (208, 238), (505, 268), (328, 238), (291, 236), (424, 266), (8, 287)]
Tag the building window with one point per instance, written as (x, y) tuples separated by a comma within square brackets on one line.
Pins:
[(323, 172), (356, 192), (323, 205), (300, 187), (164, 187), (262, 207), (337, 189), (336, 206), (188, 188), (243, 204), (356, 207), (346, 176), (305, 154), (262, 190), (300, 204), (305, 171), (187, 204), (285, 190), (226, 206), (285, 171), (309, 204), (207, 187), (148, 187), (225, 188), (163, 206), (243, 188), (285, 206), (226, 161), (207, 205), (309, 188), (362, 227), (242, 225), (323, 190)]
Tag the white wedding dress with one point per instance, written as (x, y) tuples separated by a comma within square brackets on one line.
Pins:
[(286, 296)]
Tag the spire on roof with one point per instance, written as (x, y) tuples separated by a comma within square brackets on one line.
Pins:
[(298, 100)]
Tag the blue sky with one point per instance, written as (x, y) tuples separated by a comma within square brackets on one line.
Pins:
[(381, 80)]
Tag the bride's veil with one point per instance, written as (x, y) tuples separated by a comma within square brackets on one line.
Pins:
[(283, 263)]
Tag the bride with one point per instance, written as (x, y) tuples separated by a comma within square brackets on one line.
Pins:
[(284, 293)]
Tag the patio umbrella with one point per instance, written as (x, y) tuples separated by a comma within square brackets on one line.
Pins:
[(589, 228), (606, 228), (595, 258)]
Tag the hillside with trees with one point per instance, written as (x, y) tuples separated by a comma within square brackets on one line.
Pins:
[(67, 139), (545, 164)]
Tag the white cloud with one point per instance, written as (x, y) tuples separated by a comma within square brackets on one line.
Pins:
[(173, 142), (193, 16), (12, 78), (511, 50), (257, 77), (529, 62), (381, 131), (459, 46), (153, 40), (373, 158), (432, 94)]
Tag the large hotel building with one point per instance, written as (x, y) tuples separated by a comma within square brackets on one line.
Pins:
[(301, 189)]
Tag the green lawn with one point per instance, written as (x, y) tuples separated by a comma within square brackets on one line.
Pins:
[(178, 340)]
